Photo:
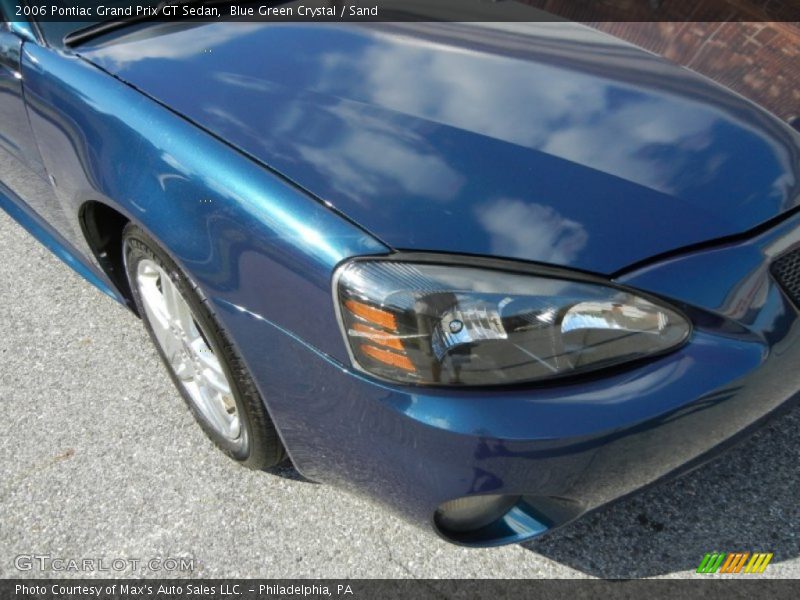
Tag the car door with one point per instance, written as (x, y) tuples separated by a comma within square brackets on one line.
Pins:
[(21, 167), (15, 134)]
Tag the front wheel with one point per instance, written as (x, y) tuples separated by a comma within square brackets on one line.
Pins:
[(198, 354)]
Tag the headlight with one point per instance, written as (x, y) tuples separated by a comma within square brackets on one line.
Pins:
[(452, 325)]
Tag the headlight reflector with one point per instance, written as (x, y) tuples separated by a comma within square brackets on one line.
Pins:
[(455, 325)]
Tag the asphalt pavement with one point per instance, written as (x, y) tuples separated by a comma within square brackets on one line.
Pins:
[(101, 460)]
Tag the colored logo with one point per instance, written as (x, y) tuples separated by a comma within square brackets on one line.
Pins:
[(735, 562)]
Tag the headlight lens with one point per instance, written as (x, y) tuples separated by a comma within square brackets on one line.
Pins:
[(451, 325)]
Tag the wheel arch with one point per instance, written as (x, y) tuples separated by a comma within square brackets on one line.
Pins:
[(102, 228)]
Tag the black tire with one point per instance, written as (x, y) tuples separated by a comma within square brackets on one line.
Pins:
[(259, 446)]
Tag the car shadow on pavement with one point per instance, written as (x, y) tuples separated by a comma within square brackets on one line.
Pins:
[(747, 499), (287, 470)]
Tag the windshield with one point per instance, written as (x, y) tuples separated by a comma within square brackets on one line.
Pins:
[(112, 15), (54, 31)]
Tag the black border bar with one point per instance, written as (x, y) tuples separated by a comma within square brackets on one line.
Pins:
[(597, 11), (703, 586)]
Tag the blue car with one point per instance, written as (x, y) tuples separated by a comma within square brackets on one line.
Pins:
[(491, 275)]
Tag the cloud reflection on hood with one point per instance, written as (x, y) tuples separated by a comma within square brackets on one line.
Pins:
[(612, 128), (520, 228)]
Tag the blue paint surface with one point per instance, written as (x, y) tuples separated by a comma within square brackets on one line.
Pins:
[(262, 156)]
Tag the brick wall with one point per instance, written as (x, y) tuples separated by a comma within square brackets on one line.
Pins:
[(760, 60)]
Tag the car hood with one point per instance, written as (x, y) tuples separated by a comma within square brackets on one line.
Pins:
[(545, 142)]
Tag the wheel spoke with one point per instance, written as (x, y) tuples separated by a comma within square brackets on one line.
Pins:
[(211, 368), (189, 356), (164, 334), (183, 368), (177, 308), (152, 298), (154, 305), (217, 381), (216, 410), (205, 355)]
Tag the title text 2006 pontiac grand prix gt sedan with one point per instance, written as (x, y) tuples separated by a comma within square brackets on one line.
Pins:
[(491, 276)]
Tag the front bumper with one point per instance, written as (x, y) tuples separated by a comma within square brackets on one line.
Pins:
[(565, 448)]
